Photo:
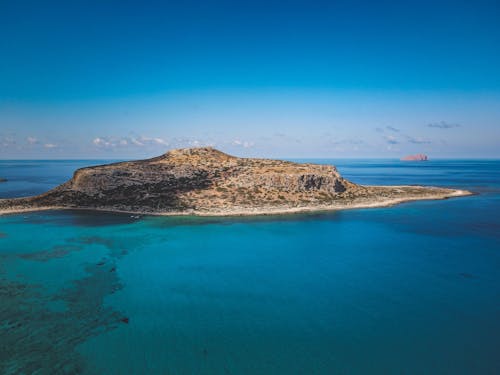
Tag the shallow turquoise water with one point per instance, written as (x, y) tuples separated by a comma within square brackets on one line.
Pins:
[(412, 289)]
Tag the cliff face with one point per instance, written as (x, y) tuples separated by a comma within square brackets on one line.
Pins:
[(207, 181)]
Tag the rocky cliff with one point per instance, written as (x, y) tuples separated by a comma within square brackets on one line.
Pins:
[(207, 181), (417, 157)]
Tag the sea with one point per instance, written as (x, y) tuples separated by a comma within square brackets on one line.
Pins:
[(409, 289)]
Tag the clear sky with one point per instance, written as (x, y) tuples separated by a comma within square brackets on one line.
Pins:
[(118, 79)]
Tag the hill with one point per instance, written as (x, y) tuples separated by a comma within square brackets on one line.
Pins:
[(206, 181)]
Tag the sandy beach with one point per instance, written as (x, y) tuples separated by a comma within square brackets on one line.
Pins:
[(261, 211)]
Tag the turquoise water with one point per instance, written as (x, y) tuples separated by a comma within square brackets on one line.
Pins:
[(411, 289)]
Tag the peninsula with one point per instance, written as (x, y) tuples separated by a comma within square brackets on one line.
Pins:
[(205, 181)]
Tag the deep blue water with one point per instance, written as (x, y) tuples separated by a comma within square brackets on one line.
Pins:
[(411, 289)]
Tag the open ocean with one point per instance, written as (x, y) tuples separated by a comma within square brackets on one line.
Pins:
[(410, 289)]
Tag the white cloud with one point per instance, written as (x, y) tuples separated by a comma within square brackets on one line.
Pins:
[(102, 142), (7, 140), (418, 140), (443, 125), (195, 143), (390, 139), (50, 145), (160, 144), (160, 141), (188, 142), (31, 140), (244, 144), (144, 141), (134, 141)]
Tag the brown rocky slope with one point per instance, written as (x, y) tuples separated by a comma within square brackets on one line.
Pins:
[(206, 181)]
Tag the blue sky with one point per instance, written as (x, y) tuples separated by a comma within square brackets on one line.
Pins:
[(333, 79)]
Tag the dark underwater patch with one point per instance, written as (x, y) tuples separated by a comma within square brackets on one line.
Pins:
[(117, 247), (37, 339), (78, 218), (58, 251), (173, 221), (95, 240)]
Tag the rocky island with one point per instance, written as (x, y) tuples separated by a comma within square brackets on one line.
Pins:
[(205, 181), (417, 157)]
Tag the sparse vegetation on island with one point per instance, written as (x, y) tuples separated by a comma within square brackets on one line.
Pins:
[(205, 181)]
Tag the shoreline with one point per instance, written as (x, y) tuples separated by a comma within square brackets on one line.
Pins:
[(375, 203)]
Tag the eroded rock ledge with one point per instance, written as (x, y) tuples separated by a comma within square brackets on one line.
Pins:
[(205, 181)]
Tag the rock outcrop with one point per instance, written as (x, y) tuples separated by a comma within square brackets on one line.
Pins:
[(207, 181), (417, 157)]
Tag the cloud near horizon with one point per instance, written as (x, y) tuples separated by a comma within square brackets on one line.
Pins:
[(390, 139), (244, 144), (123, 142), (338, 142), (32, 140), (443, 125), (387, 128), (418, 140), (156, 143)]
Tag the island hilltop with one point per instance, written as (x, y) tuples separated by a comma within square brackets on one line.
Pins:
[(205, 181)]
